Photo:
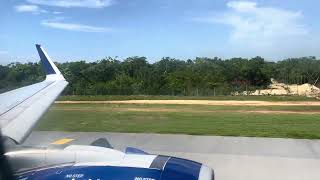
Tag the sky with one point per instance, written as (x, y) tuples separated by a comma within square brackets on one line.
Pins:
[(90, 30)]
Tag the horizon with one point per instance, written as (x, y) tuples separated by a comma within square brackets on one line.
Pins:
[(158, 60), (95, 29)]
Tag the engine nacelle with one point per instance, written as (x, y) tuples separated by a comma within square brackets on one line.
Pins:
[(91, 162)]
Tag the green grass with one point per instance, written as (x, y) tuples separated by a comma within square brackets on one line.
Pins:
[(185, 119), (143, 97)]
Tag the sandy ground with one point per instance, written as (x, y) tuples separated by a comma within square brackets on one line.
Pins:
[(195, 102), (201, 102), (186, 110)]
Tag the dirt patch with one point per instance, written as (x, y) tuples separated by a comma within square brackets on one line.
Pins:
[(119, 109), (201, 102), (185, 110), (276, 88)]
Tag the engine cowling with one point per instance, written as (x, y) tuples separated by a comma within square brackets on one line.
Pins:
[(90, 162)]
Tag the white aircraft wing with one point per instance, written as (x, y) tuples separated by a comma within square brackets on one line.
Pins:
[(20, 109)]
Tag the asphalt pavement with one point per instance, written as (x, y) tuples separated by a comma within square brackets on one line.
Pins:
[(232, 158)]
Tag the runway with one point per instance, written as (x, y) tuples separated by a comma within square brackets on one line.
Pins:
[(239, 158)]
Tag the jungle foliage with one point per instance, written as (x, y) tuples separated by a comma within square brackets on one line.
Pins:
[(136, 76)]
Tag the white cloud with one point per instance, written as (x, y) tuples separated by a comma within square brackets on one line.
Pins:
[(74, 3), (29, 8), (74, 27), (57, 12), (242, 5), (260, 27), (249, 21)]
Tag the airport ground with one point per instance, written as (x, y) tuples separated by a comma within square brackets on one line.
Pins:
[(284, 117), (160, 125), (240, 158)]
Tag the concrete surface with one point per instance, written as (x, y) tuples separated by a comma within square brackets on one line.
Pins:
[(232, 158)]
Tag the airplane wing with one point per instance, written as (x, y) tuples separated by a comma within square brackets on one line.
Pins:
[(20, 109)]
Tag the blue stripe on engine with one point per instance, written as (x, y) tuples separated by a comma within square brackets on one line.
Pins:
[(181, 169), (44, 62), (132, 150)]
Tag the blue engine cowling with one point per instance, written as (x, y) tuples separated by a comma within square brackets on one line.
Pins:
[(163, 168)]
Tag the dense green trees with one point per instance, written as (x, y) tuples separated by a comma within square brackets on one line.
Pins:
[(135, 75), (17, 74)]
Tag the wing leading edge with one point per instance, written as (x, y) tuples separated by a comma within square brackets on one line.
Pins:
[(20, 109)]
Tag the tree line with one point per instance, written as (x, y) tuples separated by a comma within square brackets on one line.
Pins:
[(193, 77)]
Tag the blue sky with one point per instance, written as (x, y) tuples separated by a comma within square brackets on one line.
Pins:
[(93, 29)]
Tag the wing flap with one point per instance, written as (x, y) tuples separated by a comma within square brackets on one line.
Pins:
[(21, 120), (13, 98)]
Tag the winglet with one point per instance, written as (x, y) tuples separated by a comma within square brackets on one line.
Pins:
[(48, 66)]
